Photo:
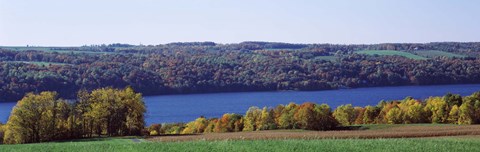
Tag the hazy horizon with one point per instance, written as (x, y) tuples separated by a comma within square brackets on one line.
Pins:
[(148, 22)]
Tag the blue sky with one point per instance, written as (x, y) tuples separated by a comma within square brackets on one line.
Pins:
[(79, 22)]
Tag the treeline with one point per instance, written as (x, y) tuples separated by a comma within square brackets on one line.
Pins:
[(103, 112), (204, 67), (451, 109), (113, 112)]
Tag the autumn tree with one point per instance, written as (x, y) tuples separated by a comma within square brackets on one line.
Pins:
[(394, 116), (412, 110), (211, 125), (252, 116), (453, 115), (359, 111), (34, 119), (345, 114), (437, 109), (466, 112), (197, 126), (370, 114), (155, 129), (286, 119), (314, 117), (305, 116), (324, 118), (229, 123), (116, 112), (267, 120)]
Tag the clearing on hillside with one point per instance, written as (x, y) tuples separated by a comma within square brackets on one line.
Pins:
[(392, 52), (51, 49), (435, 53), (37, 63)]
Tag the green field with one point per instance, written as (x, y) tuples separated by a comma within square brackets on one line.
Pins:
[(435, 53), (38, 63), (391, 52), (464, 143), (326, 58), (50, 49)]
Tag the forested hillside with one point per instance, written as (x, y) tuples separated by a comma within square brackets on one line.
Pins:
[(202, 67)]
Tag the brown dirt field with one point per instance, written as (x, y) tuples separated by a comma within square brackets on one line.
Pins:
[(389, 132)]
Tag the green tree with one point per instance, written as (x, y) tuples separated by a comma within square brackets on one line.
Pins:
[(267, 120), (305, 115), (197, 126), (286, 120), (438, 109), (394, 116), (345, 114), (453, 115), (115, 112), (33, 119), (252, 116), (359, 111), (370, 114), (412, 110), (466, 112), (323, 118)]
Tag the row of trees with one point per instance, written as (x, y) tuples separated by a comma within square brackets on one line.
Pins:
[(45, 117), (307, 116), (452, 109)]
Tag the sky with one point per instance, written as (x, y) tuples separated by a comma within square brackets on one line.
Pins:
[(85, 22)]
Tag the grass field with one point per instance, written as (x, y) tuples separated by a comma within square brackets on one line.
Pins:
[(464, 143), (392, 52), (326, 58), (50, 49), (38, 63), (435, 53), (448, 141)]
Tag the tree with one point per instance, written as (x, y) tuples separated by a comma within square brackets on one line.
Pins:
[(311, 116), (466, 112), (116, 112), (33, 119), (305, 116), (286, 120), (2, 131), (277, 114), (197, 126), (267, 120), (211, 125), (438, 109), (453, 115), (345, 114), (155, 129), (412, 110), (359, 111), (324, 119), (252, 116), (229, 123), (394, 116), (135, 108), (370, 114)]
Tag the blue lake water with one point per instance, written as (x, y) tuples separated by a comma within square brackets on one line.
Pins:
[(184, 108)]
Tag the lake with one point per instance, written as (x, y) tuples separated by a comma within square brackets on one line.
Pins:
[(184, 108)]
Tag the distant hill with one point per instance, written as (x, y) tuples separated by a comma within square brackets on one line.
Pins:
[(201, 67)]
